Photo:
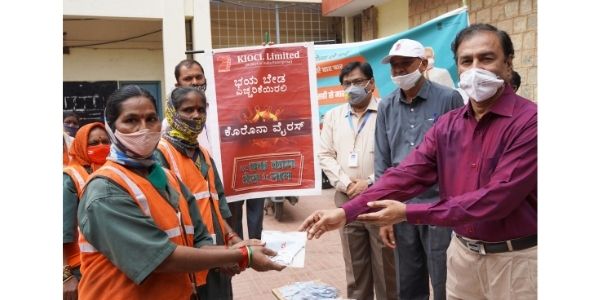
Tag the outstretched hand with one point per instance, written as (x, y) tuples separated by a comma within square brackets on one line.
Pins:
[(261, 260), (322, 221), (391, 212)]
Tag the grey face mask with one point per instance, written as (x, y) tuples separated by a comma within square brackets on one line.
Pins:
[(355, 94)]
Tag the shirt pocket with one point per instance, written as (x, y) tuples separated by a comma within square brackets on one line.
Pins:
[(488, 166), (428, 123)]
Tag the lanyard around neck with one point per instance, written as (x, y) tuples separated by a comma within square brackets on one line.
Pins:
[(361, 125)]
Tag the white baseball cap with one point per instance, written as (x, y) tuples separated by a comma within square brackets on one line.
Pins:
[(407, 48)]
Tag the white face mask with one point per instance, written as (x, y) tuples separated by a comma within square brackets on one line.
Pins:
[(480, 84), (407, 81)]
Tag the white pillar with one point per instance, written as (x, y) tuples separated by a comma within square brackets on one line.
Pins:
[(173, 25), (348, 29), (201, 30), (202, 40)]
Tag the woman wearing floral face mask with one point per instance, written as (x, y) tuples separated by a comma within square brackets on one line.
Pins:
[(88, 152), (179, 151), (141, 233)]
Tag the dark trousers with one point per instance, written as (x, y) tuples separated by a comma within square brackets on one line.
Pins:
[(218, 286), (420, 255), (254, 217)]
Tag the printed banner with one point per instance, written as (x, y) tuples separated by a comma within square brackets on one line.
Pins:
[(267, 121), (437, 34)]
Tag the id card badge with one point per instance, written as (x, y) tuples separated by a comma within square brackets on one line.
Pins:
[(353, 159)]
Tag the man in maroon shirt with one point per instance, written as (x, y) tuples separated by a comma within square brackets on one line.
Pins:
[(484, 157)]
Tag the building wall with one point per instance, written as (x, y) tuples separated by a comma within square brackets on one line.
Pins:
[(113, 64), (369, 23), (392, 17), (517, 17)]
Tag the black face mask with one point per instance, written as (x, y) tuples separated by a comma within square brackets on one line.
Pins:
[(70, 130)]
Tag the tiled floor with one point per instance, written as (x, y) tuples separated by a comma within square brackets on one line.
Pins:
[(324, 259)]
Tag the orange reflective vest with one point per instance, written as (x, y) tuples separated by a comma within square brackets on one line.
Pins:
[(103, 280), (78, 175), (204, 189)]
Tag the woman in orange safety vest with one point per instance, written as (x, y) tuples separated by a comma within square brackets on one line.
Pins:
[(180, 152), (141, 234), (88, 152)]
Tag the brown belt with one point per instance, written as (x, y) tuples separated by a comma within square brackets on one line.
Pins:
[(484, 248)]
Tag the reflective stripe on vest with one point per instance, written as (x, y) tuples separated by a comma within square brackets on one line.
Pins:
[(173, 232), (139, 196), (78, 176), (206, 194), (173, 162), (86, 247), (202, 195), (176, 231), (189, 229)]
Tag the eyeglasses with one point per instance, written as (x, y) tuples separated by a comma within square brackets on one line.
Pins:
[(359, 81)]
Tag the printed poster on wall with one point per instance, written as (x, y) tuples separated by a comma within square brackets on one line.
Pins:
[(267, 121)]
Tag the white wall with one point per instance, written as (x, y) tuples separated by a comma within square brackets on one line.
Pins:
[(114, 8), (114, 64), (133, 64)]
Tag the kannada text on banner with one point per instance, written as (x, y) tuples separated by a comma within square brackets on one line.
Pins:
[(265, 119)]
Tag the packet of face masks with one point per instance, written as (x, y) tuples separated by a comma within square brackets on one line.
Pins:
[(290, 247)]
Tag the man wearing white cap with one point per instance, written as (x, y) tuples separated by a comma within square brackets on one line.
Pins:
[(403, 118)]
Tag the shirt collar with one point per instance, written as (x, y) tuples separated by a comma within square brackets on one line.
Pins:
[(423, 93), (504, 106), (372, 106)]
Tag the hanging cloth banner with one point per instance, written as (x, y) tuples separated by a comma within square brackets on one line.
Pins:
[(437, 33)]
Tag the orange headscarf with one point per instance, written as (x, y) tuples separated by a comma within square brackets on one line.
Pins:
[(78, 149)]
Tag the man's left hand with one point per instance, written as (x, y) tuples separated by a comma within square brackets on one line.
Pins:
[(392, 212), (360, 185)]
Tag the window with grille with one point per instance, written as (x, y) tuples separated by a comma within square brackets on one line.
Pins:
[(244, 23)]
